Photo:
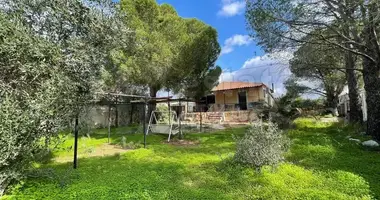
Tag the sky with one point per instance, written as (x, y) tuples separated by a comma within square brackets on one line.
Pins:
[(241, 58)]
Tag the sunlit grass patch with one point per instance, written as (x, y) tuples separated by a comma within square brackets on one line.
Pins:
[(321, 164)]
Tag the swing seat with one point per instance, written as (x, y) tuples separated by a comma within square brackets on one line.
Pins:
[(163, 129), (160, 128)]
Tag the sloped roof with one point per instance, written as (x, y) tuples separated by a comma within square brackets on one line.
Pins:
[(236, 85)]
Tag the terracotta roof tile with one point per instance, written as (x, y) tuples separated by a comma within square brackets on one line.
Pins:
[(236, 85)]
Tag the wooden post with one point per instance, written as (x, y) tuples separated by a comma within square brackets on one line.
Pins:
[(75, 164)]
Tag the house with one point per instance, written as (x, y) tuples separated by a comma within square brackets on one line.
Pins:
[(184, 106), (234, 96), (344, 103)]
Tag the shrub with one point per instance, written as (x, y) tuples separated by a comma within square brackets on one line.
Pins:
[(261, 145), (281, 121), (163, 113)]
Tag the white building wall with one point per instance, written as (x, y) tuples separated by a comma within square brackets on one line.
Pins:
[(344, 102)]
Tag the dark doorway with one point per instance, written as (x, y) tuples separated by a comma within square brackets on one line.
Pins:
[(243, 100)]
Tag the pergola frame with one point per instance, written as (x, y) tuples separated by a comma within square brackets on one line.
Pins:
[(113, 99)]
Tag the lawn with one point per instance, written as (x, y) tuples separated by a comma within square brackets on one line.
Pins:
[(321, 164)]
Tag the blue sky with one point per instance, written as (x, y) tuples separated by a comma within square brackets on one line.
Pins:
[(227, 26), (241, 59)]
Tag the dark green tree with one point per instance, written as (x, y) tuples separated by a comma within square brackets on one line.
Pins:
[(350, 25), (322, 65)]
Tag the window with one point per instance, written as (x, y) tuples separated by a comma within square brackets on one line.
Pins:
[(265, 92)]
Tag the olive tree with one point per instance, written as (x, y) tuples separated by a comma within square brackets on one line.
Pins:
[(52, 55)]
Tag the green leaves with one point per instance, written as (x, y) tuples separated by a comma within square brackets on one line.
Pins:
[(51, 56), (170, 52)]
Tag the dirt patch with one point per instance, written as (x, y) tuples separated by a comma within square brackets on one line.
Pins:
[(330, 119), (103, 150), (182, 142)]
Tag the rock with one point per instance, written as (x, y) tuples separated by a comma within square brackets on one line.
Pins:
[(355, 140), (370, 143), (362, 133)]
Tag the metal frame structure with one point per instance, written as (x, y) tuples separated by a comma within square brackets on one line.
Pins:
[(142, 100), (139, 99), (155, 128)]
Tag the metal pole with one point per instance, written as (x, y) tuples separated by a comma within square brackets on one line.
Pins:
[(144, 126), (179, 120), (131, 115), (116, 113), (200, 127), (76, 142), (109, 122), (170, 109)]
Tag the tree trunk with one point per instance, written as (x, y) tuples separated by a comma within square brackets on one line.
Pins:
[(4, 182), (372, 82), (371, 72), (152, 106), (355, 114), (332, 100), (332, 104)]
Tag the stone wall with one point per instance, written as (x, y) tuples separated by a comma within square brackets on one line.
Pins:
[(228, 116), (240, 116)]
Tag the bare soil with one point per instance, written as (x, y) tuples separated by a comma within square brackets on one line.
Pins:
[(100, 151), (182, 142)]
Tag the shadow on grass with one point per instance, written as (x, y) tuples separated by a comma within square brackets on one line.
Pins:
[(328, 148)]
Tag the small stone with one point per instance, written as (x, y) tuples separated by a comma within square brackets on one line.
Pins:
[(355, 140), (370, 143)]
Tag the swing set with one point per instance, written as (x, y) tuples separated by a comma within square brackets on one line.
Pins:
[(170, 127), (157, 122)]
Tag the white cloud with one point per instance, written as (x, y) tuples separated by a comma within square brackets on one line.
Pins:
[(231, 8), (268, 69), (236, 40)]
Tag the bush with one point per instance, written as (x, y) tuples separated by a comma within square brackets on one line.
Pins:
[(281, 121), (163, 113), (261, 145)]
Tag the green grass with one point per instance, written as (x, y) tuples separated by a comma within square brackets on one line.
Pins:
[(321, 164)]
